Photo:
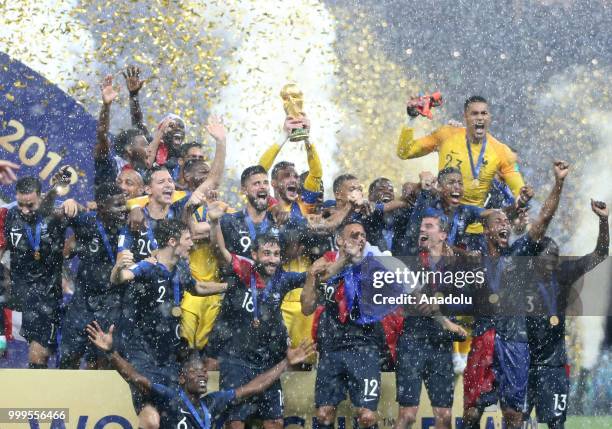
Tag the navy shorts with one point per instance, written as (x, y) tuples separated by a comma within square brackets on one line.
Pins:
[(74, 342), (355, 371), (40, 320), (496, 370), (267, 405), (548, 393), (420, 360)]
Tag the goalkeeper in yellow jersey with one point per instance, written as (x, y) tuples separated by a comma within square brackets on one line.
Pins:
[(297, 203), (472, 150)]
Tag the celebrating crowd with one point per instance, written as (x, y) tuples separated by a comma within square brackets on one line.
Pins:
[(170, 281)]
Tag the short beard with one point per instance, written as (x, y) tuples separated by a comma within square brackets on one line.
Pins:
[(253, 201)]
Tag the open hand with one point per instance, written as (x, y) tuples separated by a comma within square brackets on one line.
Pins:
[(102, 340)]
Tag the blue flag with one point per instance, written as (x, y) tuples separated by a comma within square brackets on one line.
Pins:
[(42, 129), (363, 288)]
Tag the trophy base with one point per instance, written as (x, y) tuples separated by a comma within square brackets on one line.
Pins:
[(298, 135)]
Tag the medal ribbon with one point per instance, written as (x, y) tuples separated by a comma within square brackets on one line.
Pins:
[(177, 289), (198, 217), (150, 234), (550, 299), (453, 232), (476, 169), (494, 281), (34, 240), (107, 245), (202, 423), (263, 226), (296, 212)]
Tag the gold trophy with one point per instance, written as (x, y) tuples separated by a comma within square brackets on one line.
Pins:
[(293, 103)]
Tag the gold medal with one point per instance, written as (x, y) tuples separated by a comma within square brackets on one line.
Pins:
[(256, 323), (554, 320), (493, 298), (37, 255), (176, 311), (475, 183)]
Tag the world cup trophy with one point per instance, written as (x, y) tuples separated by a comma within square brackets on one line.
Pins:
[(293, 103)]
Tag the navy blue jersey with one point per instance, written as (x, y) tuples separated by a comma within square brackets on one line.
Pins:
[(546, 339), (463, 216), (374, 223), (177, 411), (337, 327), (147, 308), (35, 271), (388, 234), (505, 278), (239, 231), (259, 344), (96, 248), (426, 327), (499, 196), (142, 243)]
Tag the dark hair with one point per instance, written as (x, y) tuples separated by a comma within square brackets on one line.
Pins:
[(149, 174), (263, 239), (105, 191), (186, 146), (375, 183), (281, 166), (126, 138), (437, 214), (192, 164), (340, 180), (349, 221), (474, 99), (485, 215), (446, 171), (167, 229), (27, 185), (191, 356), (251, 171)]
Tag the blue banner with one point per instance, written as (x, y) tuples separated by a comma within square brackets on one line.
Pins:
[(42, 129)]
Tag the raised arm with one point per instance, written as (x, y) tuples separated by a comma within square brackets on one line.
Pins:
[(316, 223), (120, 274), (408, 147), (134, 85), (509, 171), (216, 129), (267, 159), (310, 294), (215, 211), (539, 227), (104, 342), (160, 130), (109, 94), (265, 380), (603, 239), (320, 270)]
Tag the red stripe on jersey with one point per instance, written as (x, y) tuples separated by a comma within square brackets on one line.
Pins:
[(478, 377), (392, 324), (243, 267), (3, 212), (8, 324)]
